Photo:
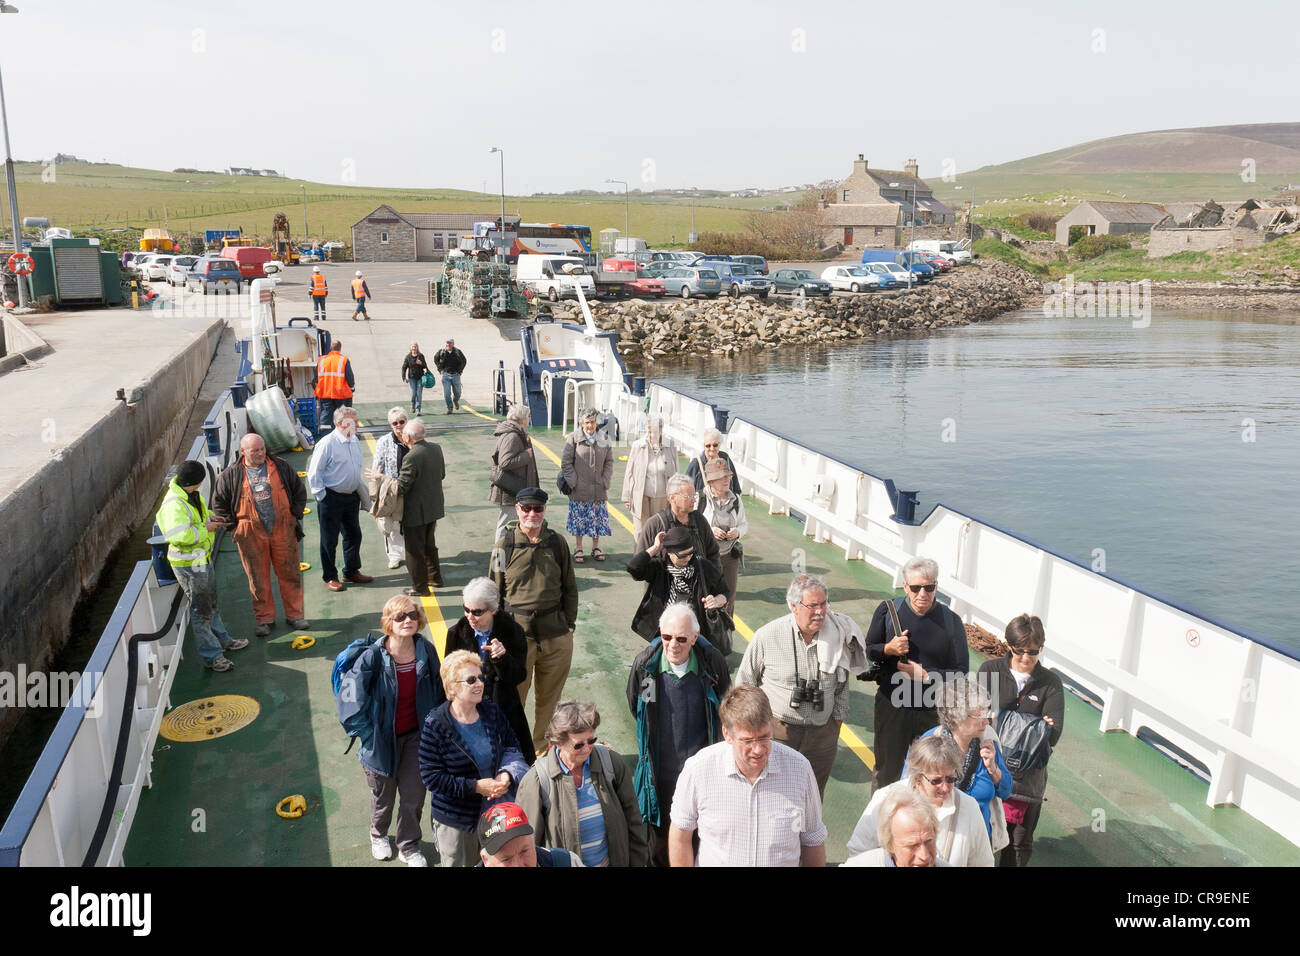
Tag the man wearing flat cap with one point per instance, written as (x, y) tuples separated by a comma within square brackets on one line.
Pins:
[(505, 838), (532, 567)]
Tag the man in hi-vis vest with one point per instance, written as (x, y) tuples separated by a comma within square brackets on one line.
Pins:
[(318, 290), (334, 385), (360, 292), (190, 529)]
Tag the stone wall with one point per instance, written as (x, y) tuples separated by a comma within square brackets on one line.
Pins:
[(366, 246), (1167, 242)]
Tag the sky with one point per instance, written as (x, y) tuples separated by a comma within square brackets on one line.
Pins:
[(667, 95)]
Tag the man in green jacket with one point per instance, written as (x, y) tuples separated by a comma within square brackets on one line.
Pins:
[(190, 529), (533, 569), (420, 484)]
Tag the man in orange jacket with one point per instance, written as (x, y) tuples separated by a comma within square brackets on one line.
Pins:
[(334, 385), (360, 292), (318, 291)]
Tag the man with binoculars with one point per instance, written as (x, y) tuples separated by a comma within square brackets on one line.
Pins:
[(803, 662)]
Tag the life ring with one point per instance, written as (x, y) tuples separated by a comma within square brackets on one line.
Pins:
[(20, 264), (302, 642), (292, 807)]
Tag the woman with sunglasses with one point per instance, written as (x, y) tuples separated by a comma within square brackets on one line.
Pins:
[(389, 452), (383, 700), (712, 452), (1020, 682), (579, 796), (933, 764), (501, 646), (469, 759), (911, 665)]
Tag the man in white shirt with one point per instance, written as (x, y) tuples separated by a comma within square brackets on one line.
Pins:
[(334, 477), (754, 802)]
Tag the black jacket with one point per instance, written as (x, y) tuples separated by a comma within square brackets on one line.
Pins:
[(230, 485), (1044, 695), (654, 571), (414, 367), (502, 675), (453, 361), (706, 545)]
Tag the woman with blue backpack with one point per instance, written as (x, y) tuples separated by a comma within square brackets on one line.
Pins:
[(385, 689)]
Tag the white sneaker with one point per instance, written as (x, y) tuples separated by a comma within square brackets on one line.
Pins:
[(380, 848), (413, 858), (394, 563)]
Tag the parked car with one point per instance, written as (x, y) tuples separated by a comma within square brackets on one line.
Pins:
[(937, 261), (687, 282), (758, 262), (214, 275), (251, 260), (740, 279), (648, 285), (921, 270), (795, 280), (851, 278), (176, 271), (660, 266), (714, 257), (156, 267), (141, 261), (886, 278)]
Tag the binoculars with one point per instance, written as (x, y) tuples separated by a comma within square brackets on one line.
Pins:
[(807, 692)]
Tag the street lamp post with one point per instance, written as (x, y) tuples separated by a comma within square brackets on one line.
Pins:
[(911, 252), (9, 172), (303, 187), (970, 217), (625, 206), (501, 236)]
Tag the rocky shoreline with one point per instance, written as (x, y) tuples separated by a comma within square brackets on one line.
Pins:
[(649, 330)]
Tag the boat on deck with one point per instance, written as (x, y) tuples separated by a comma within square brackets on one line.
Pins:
[(1176, 749)]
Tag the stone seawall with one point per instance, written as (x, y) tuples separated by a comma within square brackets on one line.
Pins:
[(651, 329), (60, 526)]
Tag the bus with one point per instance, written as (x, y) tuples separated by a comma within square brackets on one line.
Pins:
[(549, 238)]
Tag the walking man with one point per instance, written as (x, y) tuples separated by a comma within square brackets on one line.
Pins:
[(189, 528), (360, 292), (334, 385), (533, 569), (334, 476), (261, 498), (420, 484), (318, 292), (450, 362)]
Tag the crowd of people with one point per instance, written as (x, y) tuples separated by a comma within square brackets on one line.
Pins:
[(731, 766)]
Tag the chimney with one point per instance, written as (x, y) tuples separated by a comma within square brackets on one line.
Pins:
[(911, 169), (860, 165)]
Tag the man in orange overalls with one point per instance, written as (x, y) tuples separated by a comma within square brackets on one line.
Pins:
[(262, 499)]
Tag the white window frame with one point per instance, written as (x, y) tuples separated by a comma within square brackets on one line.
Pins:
[(383, 237)]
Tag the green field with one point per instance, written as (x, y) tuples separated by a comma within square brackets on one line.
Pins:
[(81, 196)]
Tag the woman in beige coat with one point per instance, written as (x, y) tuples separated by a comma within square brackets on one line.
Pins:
[(651, 461)]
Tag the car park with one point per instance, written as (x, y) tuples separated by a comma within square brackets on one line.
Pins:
[(850, 278), (214, 275), (739, 279), (800, 282), (648, 285), (177, 269), (687, 282)]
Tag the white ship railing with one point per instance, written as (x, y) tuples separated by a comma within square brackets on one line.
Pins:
[(63, 804), (1218, 696)]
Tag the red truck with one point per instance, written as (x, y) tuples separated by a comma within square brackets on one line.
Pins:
[(251, 260)]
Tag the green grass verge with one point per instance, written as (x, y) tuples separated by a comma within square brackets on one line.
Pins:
[(997, 249)]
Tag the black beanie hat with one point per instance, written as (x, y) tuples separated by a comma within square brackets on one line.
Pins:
[(190, 473)]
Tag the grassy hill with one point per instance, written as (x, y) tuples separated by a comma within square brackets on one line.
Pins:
[(104, 196)]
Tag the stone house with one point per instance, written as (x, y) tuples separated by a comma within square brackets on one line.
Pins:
[(1109, 219), (1246, 226), (871, 206), (387, 235)]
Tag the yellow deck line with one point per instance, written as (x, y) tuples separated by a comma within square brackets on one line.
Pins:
[(847, 736)]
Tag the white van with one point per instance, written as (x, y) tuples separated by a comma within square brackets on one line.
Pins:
[(627, 246), (556, 277), (957, 251)]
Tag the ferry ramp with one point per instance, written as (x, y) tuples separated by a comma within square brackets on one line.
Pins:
[(1112, 800)]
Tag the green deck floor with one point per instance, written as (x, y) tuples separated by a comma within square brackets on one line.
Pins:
[(1112, 800)]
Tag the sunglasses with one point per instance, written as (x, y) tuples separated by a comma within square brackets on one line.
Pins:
[(399, 421), (474, 611), (472, 680), (918, 588), (712, 445), (669, 639), (939, 781), (1025, 653), (531, 509), (583, 744), (407, 616)]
